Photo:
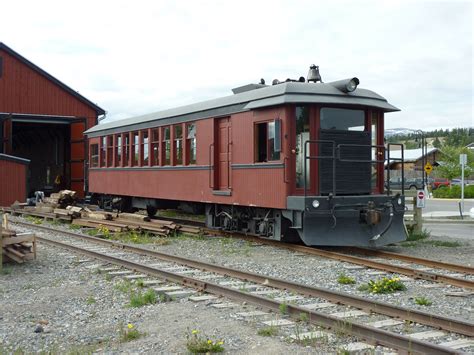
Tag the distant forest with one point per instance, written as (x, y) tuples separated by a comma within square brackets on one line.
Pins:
[(457, 137)]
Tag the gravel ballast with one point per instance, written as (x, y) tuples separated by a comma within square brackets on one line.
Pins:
[(73, 307)]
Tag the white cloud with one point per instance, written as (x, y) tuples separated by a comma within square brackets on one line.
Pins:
[(138, 57)]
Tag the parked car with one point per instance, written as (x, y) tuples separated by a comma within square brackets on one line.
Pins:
[(437, 182), (457, 182), (410, 183)]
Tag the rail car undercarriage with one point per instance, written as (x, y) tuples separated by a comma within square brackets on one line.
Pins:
[(367, 221)]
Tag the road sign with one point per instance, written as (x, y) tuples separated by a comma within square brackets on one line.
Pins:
[(420, 199), (462, 159), (428, 168)]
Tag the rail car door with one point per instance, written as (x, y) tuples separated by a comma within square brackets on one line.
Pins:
[(223, 154)]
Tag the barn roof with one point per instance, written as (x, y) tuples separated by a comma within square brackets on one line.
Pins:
[(411, 155), (284, 93), (48, 76)]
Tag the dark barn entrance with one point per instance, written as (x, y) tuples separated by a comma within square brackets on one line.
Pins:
[(48, 149)]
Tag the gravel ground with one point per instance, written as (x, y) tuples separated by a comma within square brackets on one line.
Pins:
[(81, 310)]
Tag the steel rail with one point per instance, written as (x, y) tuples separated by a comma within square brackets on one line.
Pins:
[(403, 270), (413, 259), (450, 324), (370, 334)]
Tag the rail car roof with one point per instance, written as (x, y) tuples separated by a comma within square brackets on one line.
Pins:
[(284, 93)]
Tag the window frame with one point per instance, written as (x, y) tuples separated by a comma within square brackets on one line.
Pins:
[(269, 152), (94, 159)]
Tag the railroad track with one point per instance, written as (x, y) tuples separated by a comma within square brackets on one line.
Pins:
[(433, 271), (370, 331)]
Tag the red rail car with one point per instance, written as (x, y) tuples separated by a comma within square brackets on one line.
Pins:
[(295, 160)]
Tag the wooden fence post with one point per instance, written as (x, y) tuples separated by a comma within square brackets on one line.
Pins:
[(417, 218)]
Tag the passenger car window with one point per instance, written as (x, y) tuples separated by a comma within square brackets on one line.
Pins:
[(265, 135)]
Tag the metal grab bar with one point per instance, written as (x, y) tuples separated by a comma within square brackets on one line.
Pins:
[(338, 151), (285, 180), (402, 159), (211, 166), (306, 157)]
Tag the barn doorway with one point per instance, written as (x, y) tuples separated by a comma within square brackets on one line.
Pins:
[(47, 146)]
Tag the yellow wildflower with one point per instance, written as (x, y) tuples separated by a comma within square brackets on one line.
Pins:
[(220, 343), (130, 325), (209, 341), (195, 331)]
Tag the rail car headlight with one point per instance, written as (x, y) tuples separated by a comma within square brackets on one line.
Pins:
[(346, 85), (399, 201), (315, 203)]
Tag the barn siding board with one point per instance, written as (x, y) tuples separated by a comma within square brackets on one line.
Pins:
[(13, 181)]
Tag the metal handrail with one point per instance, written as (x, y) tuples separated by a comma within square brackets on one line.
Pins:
[(333, 157), (338, 150), (336, 156), (211, 166), (402, 159)]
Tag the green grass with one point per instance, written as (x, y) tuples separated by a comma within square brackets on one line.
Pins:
[(180, 214), (6, 270), (138, 299), (74, 226), (124, 286), (417, 236), (423, 301), (345, 280), (283, 307), (442, 243), (90, 300), (268, 331)]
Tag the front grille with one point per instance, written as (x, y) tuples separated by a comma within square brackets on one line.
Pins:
[(352, 178)]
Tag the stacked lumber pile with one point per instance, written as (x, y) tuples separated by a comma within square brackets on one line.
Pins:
[(17, 247), (123, 222)]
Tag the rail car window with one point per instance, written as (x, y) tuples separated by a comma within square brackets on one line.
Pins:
[(135, 149), (144, 148), (103, 150), (178, 145), (167, 145), (155, 147), (265, 136), (342, 119), (126, 149), (302, 135), (118, 149), (191, 142), (110, 150), (94, 155)]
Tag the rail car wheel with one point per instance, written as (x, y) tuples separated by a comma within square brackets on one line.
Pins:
[(151, 210)]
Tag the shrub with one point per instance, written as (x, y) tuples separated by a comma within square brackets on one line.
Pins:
[(454, 192), (129, 333)]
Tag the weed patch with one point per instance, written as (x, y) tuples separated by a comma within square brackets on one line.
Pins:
[(343, 279), (198, 344), (384, 285), (268, 331), (129, 333), (423, 301), (139, 299)]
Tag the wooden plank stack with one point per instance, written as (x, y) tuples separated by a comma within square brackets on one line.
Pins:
[(16, 247)]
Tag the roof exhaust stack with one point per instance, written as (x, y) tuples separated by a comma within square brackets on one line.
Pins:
[(313, 74)]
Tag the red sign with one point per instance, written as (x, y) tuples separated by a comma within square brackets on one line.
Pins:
[(421, 195)]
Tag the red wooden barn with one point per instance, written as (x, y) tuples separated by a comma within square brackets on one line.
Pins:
[(41, 120)]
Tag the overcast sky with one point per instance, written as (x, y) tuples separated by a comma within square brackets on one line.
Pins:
[(138, 57)]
